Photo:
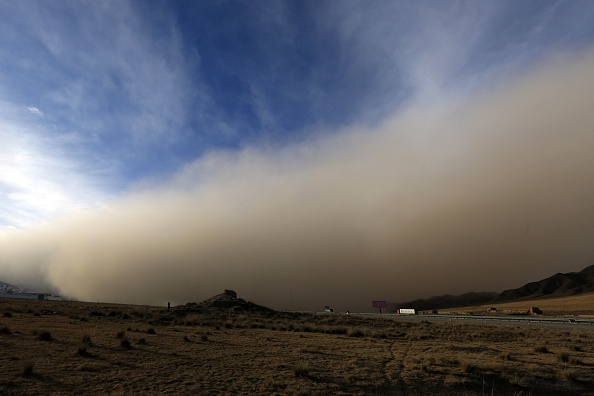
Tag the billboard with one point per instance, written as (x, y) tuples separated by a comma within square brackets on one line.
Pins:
[(380, 304)]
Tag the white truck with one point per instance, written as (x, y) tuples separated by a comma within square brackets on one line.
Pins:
[(406, 311)]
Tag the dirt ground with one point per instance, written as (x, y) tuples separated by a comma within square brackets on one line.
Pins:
[(86, 348)]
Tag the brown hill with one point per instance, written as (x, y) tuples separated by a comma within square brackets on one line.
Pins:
[(554, 286), (558, 285)]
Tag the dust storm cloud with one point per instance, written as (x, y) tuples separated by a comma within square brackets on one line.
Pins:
[(483, 194)]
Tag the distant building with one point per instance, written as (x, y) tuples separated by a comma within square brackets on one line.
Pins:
[(31, 296)]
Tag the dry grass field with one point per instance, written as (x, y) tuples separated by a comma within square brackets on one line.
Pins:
[(581, 305), (87, 348)]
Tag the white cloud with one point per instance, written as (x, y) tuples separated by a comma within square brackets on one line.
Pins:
[(36, 111), (39, 178), (128, 81), (110, 96)]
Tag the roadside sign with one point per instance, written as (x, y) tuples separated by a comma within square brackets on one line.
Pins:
[(380, 304)]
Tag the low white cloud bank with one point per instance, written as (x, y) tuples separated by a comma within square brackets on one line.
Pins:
[(481, 195)]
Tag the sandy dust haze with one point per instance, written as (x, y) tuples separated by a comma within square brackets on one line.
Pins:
[(480, 195)]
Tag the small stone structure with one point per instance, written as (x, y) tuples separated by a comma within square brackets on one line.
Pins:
[(231, 293)]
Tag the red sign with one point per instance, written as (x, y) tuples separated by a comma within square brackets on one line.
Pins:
[(380, 304)]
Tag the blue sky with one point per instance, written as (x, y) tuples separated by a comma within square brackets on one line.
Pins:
[(98, 96), (187, 147)]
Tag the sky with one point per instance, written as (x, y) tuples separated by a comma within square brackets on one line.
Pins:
[(302, 153)]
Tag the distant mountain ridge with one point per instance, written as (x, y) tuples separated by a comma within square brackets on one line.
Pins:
[(558, 285), (7, 288)]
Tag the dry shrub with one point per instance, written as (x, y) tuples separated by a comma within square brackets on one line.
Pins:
[(151, 330), (576, 361), (301, 371), (7, 314), (563, 357), (97, 313), (45, 336), (204, 337), (356, 333), (89, 368), (520, 380), (310, 350), (468, 366), (5, 330), (339, 330), (541, 349), (86, 340), (28, 369), (453, 381), (569, 375), (82, 351), (125, 343)]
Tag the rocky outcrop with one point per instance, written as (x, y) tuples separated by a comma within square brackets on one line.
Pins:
[(535, 311), (226, 301)]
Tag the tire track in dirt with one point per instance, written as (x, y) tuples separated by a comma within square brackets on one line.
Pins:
[(395, 366)]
